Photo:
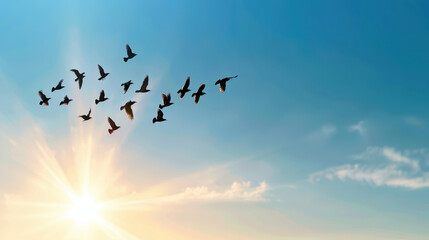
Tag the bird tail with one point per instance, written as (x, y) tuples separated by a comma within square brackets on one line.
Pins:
[(160, 106), (61, 103), (153, 120), (179, 91), (125, 59), (53, 89), (122, 107), (193, 94), (96, 101), (41, 102), (110, 131), (100, 78)]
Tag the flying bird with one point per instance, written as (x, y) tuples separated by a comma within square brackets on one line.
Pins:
[(143, 88), (129, 53), (199, 93), (79, 77), (44, 99), (159, 117), (128, 109), (166, 101), (222, 83), (126, 85), (102, 73), (66, 101), (59, 86), (113, 126), (86, 117), (101, 98), (185, 88)]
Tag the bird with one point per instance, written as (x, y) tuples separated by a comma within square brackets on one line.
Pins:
[(166, 101), (59, 86), (101, 98), (199, 93), (130, 54), (45, 100), (128, 109), (113, 126), (159, 117), (86, 117), (102, 73), (66, 101), (79, 77), (126, 85), (185, 88), (143, 88), (222, 83)]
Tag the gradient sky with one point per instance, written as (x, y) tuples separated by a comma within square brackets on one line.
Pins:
[(328, 119)]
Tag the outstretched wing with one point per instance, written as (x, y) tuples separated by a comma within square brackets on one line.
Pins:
[(112, 123), (75, 71), (42, 96), (145, 82), (188, 80), (102, 94), (80, 83), (169, 97), (129, 51), (101, 70), (201, 88), (60, 83), (160, 114), (164, 99), (89, 112)]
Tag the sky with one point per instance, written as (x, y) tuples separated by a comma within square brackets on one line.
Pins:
[(322, 136)]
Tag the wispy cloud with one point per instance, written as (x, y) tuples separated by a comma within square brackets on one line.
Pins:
[(359, 127), (413, 121), (387, 167), (238, 191), (325, 132)]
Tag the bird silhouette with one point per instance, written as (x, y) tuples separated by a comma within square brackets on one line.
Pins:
[(45, 100), (79, 76), (66, 101), (143, 88), (86, 117), (101, 98), (128, 109), (113, 126), (102, 73), (130, 54), (59, 86), (185, 88), (159, 117), (199, 93), (222, 83), (166, 101), (126, 85)]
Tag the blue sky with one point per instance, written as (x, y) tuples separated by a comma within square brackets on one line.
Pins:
[(329, 109)]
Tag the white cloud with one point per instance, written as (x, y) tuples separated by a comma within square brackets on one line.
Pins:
[(238, 191), (387, 167), (395, 156), (359, 127)]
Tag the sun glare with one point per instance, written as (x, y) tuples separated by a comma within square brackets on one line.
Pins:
[(84, 210)]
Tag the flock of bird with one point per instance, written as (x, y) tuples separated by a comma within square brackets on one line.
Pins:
[(166, 98)]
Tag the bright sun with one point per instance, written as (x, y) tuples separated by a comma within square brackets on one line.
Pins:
[(84, 210)]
